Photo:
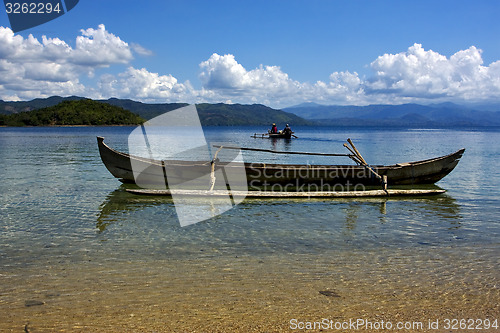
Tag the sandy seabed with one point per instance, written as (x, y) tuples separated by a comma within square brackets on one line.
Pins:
[(273, 293)]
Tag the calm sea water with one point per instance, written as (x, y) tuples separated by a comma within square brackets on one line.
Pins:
[(61, 211)]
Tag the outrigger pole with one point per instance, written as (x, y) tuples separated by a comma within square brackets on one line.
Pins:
[(355, 156), (283, 152)]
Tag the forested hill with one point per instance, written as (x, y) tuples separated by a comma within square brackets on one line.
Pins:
[(73, 112), (210, 114), (240, 115), (219, 114)]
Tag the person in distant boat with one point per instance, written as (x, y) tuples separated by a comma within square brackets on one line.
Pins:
[(287, 130), (274, 129)]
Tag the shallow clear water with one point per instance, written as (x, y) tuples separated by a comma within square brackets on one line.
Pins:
[(69, 232)]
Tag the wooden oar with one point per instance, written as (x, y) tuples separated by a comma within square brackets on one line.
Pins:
[(357, 152), (383, 180), (296, 137), (354, 157)]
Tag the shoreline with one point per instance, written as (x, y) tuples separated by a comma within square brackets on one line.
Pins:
[(388, 128), (56, 126)]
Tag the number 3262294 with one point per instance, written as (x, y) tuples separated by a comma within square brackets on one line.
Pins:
[(31, 8), (471, 324)]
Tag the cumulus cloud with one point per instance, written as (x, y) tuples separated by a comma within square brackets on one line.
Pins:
[(145, 86), (30, 68), (343, 87), (416, 75), (225, 78), (223, 74), (427, 74), (99, 48)]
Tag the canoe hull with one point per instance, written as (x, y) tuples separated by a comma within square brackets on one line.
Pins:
[(273, 135), (288, 176), (280, 135)]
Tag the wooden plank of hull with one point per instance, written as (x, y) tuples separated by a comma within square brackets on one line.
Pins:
[(420, 172), (270, 194)]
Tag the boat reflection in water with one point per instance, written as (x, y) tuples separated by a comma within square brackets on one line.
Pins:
[(120, 205)]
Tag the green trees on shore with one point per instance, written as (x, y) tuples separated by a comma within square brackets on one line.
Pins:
[(79, 112)]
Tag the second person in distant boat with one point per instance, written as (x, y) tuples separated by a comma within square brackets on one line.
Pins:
[(287, 130)]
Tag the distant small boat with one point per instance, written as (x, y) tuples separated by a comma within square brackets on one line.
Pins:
[(427, 171), (279, 135)]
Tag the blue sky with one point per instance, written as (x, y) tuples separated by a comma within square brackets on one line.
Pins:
[(277, 53)]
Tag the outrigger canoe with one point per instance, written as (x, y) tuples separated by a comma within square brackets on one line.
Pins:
[(427, 171)]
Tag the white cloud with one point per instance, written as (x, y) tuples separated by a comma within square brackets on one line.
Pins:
[(344, 87), (427, 74), (141, 50), (224, 72), (99, 48), (30, 68), (416, 75), (143, 85), (227, 79), (413, 76), (265, 84)]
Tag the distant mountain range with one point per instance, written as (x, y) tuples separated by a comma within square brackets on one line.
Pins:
[(404, 115), (407, 115), (210, 114)]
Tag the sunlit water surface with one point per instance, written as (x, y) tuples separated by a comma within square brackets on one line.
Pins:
[(79, 253)]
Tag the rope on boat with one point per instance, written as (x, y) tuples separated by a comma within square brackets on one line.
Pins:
[(212, 169)]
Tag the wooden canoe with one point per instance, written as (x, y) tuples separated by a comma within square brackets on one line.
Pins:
[(282, 135), (289, 176)]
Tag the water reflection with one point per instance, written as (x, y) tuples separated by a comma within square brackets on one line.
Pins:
[(346, 212), (120, 202), (280, 144)]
